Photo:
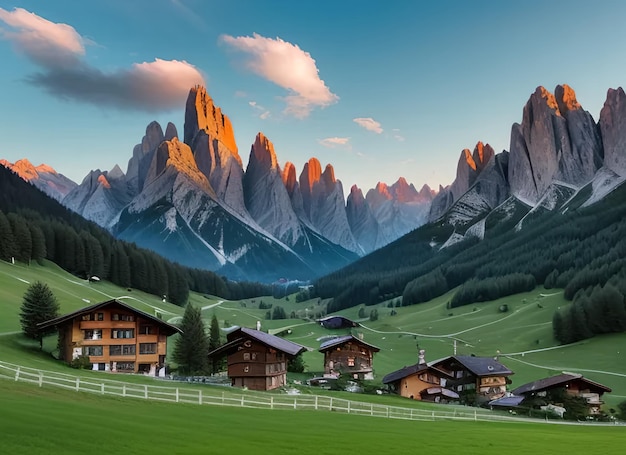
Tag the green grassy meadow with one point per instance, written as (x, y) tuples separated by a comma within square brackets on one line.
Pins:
[(64, 422)]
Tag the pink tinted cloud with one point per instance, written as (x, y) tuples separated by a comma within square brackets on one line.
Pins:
[(369, 124), (333, 142), (58, 49), (46, 43), (287, 66)]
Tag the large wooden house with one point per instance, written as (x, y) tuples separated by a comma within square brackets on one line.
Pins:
[(115, 336), (548, 390), (348, 355), (257, 360), (421, 382), (481, 378)]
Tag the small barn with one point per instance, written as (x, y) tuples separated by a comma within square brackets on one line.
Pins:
[(348, 355), (337, 322), (257, 360)]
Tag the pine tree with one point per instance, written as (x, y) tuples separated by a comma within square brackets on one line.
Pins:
[(192, 346), (214, 343), (39, 305)]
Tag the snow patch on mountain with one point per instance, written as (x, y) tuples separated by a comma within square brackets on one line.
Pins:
[(604, 182)]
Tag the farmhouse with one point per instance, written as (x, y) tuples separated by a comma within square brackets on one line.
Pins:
[(550, 391), (257, 360), (421, 382), (479, 379), (115, 336), (349, 355)]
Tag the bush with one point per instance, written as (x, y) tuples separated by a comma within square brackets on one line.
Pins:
[(81, 363), (622, 410)]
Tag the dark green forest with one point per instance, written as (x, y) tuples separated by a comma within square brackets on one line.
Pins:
[(34, 227), (579, 250)]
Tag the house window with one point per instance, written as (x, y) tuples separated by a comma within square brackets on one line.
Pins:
[(246, 356), (92, 334), (122, 349), (99, 316), (253, 355), (459, 374), (122, 317), (92, 350), (125, 366), (123, 333), (246, 369), (147, 348), (146, 330), (350, 361)]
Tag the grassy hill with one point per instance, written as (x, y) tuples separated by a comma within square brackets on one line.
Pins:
[(521, 336)]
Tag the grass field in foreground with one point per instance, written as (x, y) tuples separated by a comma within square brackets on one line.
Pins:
[(53, 421)]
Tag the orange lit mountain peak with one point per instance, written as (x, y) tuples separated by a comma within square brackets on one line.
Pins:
[(469, 158), (289, 176), (313, 172), (329, 174), (264, 149), (102, 180), (550, 99), (566, 98)]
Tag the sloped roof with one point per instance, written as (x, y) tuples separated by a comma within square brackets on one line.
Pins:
[(507, 402), (239, 336), (556, 381), (342, 320), (114, 302), (404, 372), (326, 345), (479, 366)]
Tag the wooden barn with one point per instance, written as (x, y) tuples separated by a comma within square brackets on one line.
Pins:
[(421, 382), (115, 336), (348, 355), (257, 360)]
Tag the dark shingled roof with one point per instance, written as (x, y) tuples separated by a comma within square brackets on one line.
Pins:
[(507, 402), (114, 302), (556, 381), (404, 372), (479, 366), (344, 339), (336, 322), (238, 336)]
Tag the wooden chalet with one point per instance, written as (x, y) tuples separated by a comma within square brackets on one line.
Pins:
[(421, 382), (484, 377), (571, 383), (349, 355), (337, 322), (257, 360), (115, 336)]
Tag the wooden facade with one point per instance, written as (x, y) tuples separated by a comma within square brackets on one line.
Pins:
[(421, 382), (348, 355), (482, 377), (257, 360), (115, 336)]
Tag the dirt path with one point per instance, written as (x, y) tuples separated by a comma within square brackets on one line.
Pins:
[(552, 367)]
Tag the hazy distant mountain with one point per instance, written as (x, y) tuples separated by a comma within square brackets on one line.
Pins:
[(43, 177)]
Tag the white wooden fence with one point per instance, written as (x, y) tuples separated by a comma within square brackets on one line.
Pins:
[(199, 394)]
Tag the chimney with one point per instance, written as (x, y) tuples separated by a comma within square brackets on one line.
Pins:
[(258, 325), (421, 358)]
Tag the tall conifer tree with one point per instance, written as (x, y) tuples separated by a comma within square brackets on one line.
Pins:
[(39, 305)]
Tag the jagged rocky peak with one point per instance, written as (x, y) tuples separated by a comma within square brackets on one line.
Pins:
[(426, 193), (613, 127), (170, 131), (115, 173), (311, 173), (557, 140), (263, 152), (153, 137), (289, 177), (201, 114), (328, 176)]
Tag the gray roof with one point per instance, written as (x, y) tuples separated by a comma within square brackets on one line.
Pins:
[(238, 336), (556, 381), (114, 302), (344, 339), (404, 372), (507, 402), (479, 366)]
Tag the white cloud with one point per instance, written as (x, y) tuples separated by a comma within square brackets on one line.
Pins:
[(46, 43), (369, 124), (287, 66), (265, 114), (58, 49), (333, 142), (398, 138)]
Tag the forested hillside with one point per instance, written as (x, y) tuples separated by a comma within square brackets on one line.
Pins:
[(35, 227), (580, 250)]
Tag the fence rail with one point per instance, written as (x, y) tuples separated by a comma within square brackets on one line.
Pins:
[(222, 397)]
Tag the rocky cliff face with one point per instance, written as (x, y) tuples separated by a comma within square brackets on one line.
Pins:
[(44, 177), (210, 135), (266, 196), (556, 140), (613, 127), (364, 226)]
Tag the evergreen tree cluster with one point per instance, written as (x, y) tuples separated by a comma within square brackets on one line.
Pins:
[(585, 246), (36, 227), (39, 305), (595, 310)]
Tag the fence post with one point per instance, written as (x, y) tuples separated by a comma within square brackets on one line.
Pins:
[(411, 414), (123, 390), (387, 411), (330, 406), (316, 402), (295, 403), (349, 406), (222, 398), (433, 415), (199, 396), (242, 398), (177, 397), (17, 374), (102, 388), (40, 379), (475, 417), (145, 391), (77, 384), (272, 402)]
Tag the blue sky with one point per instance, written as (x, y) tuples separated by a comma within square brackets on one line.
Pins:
[(378, 89)]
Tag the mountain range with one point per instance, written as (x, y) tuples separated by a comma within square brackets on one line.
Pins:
[(191, 201)]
